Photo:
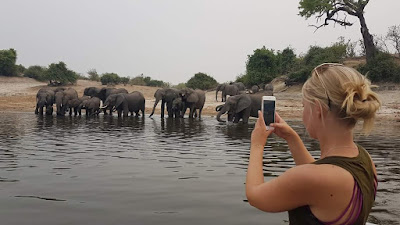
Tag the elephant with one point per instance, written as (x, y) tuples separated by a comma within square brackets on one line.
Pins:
[(64, 100), (76, 104), (240, 85), (240, 107), (177, 107), (92, 92), (227, 89), (254, 89), (167, 96), (269, 88), (192, 99), (122, 102), (91, 105), (44, 98)]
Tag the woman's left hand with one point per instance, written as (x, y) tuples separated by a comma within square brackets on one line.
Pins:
[(260, 133)]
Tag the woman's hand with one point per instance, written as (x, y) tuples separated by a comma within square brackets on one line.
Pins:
[(282, 129), (260, 133)]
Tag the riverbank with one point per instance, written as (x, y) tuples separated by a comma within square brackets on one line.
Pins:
[(17, 94)]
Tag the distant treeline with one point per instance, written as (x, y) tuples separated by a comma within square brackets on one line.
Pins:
[(261, 67), (266, 64)]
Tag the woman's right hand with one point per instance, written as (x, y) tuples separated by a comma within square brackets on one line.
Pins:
[(282, 129)]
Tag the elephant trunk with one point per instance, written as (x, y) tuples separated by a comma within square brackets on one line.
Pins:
[(154, 107), (216, 94), (220, 113)]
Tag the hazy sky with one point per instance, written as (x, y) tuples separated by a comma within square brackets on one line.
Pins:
[(170, 40)]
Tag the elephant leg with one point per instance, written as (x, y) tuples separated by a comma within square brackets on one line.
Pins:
[(36, 110), (162, 108), (191, 112), (201, 109), (246, 116)]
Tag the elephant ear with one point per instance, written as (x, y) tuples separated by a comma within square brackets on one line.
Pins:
[(120, 100), (193, 97), (243, 103)]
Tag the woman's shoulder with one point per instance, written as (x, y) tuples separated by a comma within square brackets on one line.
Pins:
[(321, 179)]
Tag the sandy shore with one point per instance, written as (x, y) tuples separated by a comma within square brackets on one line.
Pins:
[(17, 94)]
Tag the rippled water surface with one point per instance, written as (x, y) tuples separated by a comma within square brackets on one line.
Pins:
[(107, 170)]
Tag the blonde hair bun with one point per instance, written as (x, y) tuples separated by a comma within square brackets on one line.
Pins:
[(345, 91)]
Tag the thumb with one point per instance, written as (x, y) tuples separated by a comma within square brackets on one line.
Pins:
[(277, 125)]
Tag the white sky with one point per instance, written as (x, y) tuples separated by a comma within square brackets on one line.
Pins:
[(169, 40)]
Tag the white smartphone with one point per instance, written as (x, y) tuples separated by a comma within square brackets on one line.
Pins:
[(268, 109)]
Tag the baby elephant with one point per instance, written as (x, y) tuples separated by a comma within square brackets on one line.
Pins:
[(91, 105), (133, 102)]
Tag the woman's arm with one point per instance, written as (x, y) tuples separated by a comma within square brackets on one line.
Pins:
[(290, 190), (299, 152)]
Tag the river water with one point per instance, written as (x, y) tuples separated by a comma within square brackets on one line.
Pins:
[(107, 170)]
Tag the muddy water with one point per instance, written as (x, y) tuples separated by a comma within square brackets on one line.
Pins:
[(107, 170)]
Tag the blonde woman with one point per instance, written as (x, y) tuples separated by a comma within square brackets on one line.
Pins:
[(340, 187)]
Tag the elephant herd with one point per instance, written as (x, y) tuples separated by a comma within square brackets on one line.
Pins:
[(67, 100), (113, 99), (239, 106)]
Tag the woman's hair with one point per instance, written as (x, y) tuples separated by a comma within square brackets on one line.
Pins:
[(344, 91)]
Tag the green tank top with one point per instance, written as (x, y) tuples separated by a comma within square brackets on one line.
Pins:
[(362, 170)]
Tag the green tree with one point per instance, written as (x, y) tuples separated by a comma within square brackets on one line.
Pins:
[(201, 81), (20, 69), (261, 67), (337, 11), (59, 74), (286, 60), (93, 75), (138, 80), (36, 72), (110, 78), (317, 55), (7, 62), (124, 80)]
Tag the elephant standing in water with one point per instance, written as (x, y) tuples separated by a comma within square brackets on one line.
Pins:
[(103, 93), (133, 102), (76, 104), (44, 98), (226, 89), (192, 99), (91, 105), (64, 100), (167, 96), (240, 107)]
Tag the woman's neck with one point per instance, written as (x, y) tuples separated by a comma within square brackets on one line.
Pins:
[(337, 140)]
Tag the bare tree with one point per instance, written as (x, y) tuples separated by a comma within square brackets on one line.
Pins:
[(393, 35), (337, 11)]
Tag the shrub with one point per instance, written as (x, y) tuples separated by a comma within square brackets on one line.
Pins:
[(58, 74), (139, 80), (36, 72), (20, 69), (382, 67), (110, 78), (202, 81), (180, 86), (93, 75), (124, 80), (7, 62)]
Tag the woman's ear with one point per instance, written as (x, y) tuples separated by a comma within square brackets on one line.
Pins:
[(317, 109)]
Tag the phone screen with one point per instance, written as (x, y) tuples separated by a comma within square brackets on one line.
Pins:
[(269, 112)]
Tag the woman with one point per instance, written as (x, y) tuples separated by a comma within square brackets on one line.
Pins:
[(340, 187)]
